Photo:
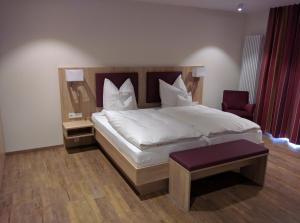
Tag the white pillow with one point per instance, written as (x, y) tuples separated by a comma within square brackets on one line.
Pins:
[(179, 83), (184, 101), (168, 94), (118, 99)]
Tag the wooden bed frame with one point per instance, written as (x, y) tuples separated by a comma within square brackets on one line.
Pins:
[(144, 180)]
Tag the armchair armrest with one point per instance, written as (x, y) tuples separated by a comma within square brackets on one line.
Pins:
[(224, 106), (250, 108)]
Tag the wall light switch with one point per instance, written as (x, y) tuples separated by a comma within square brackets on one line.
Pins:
[(73, 115)]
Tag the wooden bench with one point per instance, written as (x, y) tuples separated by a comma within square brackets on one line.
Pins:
[(186, 166)]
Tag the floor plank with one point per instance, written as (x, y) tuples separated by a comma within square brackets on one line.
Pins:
[(53, 186)]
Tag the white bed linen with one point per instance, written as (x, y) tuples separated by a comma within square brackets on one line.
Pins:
[(146, 128), (160, 154), (210, 121)]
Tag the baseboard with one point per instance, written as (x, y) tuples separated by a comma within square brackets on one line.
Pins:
[(34, 149)]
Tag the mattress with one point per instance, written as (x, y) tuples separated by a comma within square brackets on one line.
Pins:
[(160, 154)]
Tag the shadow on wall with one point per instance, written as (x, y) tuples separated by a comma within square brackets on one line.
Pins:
[(124, 33)]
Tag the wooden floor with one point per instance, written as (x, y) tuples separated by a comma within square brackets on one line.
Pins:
[(54, 186)]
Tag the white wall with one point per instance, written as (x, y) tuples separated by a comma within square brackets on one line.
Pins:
[(37, 37), (2, 152), (256, 23)]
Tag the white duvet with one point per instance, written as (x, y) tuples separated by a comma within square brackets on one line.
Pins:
[(210, 121), (151, 127), (148, 127)]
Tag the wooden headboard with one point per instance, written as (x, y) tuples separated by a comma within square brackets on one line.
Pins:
[(80, 97)]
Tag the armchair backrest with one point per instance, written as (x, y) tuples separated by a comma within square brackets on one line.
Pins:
[(236, 99)]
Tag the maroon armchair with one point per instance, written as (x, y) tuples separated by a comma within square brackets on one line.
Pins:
[(237, 102)]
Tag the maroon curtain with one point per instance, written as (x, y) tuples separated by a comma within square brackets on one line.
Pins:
[(278, 93)]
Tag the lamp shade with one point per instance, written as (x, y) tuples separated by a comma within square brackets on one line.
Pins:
[(74, 75), (199, 71)]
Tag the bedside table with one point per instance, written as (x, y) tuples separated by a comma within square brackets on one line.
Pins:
[(78, 133)]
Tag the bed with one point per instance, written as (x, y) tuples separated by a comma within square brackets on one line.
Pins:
[(158, 155), (146, 170)]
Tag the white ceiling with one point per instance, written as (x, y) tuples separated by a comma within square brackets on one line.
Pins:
[(227, 5)]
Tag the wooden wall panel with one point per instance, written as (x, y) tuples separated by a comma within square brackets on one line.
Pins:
[(2, 153), (81, 97)]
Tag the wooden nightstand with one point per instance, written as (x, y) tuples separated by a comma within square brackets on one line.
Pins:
[(78, 133)]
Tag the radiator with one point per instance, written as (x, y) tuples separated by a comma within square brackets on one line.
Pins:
[(250, 65)]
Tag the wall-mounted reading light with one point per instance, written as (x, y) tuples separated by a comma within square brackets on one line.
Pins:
[(74, 75), (199, 71)]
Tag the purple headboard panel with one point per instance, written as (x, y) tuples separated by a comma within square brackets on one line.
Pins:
[(118, 79), (152, 94)]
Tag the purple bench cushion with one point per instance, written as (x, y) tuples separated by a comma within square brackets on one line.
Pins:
[(208, 156)]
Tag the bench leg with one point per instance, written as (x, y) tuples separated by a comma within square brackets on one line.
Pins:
[(179, 185), (257, 171)]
